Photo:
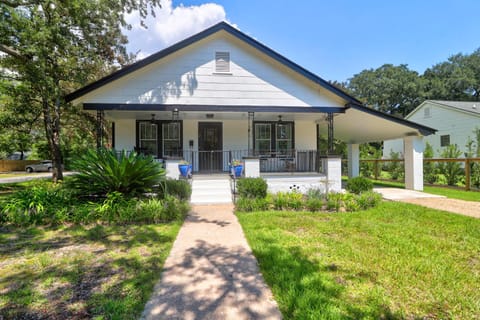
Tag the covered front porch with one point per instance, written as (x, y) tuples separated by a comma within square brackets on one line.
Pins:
[(277, 139)]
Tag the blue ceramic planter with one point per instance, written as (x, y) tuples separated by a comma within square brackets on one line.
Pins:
[(238, 170), (185, 170)]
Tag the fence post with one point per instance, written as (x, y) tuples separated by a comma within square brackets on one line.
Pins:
[(376, 169), (467, 174)]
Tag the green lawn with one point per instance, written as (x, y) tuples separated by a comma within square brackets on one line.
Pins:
[(449, 192), (393, 262), (77, 272)]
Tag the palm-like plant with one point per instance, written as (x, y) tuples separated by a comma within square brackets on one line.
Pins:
[(104, 171)]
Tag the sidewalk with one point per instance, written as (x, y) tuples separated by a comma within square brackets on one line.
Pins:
[(211, 273)]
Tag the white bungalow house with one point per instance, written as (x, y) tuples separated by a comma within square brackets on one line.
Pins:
[(455, 121), (221, 95)]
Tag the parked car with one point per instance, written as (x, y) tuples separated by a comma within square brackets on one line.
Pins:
[(45, 165)]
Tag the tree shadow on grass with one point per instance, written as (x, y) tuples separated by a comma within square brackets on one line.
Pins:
[(306, 289), (113, 282)]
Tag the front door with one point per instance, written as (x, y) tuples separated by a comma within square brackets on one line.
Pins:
[(210, 145)]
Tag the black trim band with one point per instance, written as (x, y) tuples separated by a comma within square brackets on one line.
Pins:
[(213, 108)]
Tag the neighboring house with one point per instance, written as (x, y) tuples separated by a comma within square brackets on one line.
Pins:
[(454, 120), (221, 95)]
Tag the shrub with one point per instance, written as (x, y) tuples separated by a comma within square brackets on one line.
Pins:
[(252, 204), (115, 208), (334, 201), (369, 199), (178, 188), (451, 170), (358, 185), (315, 193), (429, 169), (350, 202), (43, 203), (288, 200), (161, 210), (252, 188), (314, 204), (103, 171), (396, 168)]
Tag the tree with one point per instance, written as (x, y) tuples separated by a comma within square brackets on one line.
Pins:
[(396, 90), (455, 79), (51, 47)]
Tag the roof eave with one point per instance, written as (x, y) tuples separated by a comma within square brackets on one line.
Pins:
[(424, 130)]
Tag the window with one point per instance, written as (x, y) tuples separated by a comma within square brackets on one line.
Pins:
[(148, 138), (273, 137), (160, 139), (222, 61), (171, 139), (445, 140)]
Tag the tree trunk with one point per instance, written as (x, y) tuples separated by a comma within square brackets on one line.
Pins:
[(52, 132)]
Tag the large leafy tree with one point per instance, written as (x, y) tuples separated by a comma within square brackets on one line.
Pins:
[(392, 89), (53, 46), (458, 78)]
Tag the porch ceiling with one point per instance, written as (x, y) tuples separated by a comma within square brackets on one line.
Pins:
[(357, 125)]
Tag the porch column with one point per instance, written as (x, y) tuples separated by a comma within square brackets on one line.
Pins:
[(330, 132), (353, 160), (100, 116), (332, 166), (251, 118), (413, 155)]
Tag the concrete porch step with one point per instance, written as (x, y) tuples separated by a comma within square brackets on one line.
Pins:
[(211, 191)]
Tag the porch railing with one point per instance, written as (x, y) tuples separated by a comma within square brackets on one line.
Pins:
[(219, 160)]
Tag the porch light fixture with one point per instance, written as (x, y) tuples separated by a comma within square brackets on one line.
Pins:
[(280, 119), (209, 115), (175, 115), (152, 121)]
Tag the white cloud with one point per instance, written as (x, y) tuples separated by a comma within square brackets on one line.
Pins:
[(170, 25)]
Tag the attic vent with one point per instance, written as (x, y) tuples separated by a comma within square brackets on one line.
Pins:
[(222, 61), (426, 113)]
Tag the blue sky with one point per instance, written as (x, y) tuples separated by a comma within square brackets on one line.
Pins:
[(334, 39)]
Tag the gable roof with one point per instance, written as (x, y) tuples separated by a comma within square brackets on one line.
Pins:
[(472, 107), (202, 35)]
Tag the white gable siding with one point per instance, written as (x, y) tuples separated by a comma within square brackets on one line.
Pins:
[(448, 121), (188, 77)]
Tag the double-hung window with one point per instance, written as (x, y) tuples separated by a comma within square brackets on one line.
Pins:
[(273, 138), (148, 138), (171, 139), (160, 138)]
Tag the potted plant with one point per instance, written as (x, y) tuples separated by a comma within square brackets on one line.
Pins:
[(185, 169), (237, 166)]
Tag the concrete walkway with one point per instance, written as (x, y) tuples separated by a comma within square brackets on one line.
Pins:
[(466, 208), (211, 273), (398, 194)]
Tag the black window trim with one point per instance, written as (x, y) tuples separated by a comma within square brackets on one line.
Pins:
[(273, 136), (159, 123)]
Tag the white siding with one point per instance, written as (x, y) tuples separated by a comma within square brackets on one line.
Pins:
[(305, 135), (448, 121), (125, 134), (188, 77)]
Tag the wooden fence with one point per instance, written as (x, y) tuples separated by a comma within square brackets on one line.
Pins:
[(465, 164), (15, 165)]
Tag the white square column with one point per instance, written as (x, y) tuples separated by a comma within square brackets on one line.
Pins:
[(353, 160), (252, 167), (171, 168), (413, 162), (332, 166)]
